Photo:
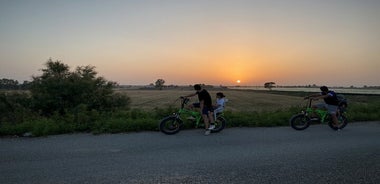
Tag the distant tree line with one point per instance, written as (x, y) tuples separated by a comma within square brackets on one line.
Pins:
[(11, 84)]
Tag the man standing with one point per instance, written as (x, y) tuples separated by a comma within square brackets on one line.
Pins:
[(205, 104)]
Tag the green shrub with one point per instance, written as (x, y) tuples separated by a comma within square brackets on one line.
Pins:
[(15, 107), (45, 127), (364, 110), (15, 129), (60, 90), (40, 127)]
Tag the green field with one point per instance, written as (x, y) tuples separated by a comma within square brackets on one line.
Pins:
[(238, 100)]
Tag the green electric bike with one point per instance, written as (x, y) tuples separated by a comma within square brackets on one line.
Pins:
[(172, 124), (303, 120)]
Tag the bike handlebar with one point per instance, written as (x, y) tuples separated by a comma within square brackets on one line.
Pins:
[(184, 100)]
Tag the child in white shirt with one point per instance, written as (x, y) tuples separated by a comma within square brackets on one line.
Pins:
[(220, 102)]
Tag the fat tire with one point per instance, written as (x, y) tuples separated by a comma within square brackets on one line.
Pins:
[(299, 121), (170, 125), (220, 124)]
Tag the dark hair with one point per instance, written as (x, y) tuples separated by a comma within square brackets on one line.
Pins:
[(220, 94), (324, 88), (197, 87)]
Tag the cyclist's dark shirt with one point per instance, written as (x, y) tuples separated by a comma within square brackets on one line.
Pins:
[(204, 95), (331, 99)]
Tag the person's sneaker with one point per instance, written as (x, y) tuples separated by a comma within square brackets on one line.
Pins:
[(337, 128), (211, 127), (207, 132)]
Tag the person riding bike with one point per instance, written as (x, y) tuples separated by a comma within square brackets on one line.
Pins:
[(205, 104), (331, 102), (220, 103)]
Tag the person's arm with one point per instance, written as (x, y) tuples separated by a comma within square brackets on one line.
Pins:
[(320, 97), (314, 96), (190, 95)]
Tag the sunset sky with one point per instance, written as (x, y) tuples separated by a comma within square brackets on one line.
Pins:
[(218, 42)]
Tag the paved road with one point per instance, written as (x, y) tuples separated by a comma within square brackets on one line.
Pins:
[(236, 155)]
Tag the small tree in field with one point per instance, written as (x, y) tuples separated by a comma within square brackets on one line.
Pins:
[(160, 83), (269, 85)]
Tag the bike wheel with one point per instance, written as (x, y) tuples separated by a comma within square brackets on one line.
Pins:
[(170, 125), (342, 122), (300, 121), (220, 123)]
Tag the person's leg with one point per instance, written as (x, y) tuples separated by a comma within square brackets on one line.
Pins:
[(216, 111), (211, 119), (332, 110), (335, 120), (206, 120)]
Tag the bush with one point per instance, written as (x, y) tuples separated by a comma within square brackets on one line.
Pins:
[(59, 90), (364, 111), (40, 127), (15, 107)]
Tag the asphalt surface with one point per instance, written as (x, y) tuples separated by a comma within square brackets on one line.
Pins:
[(235, 155)]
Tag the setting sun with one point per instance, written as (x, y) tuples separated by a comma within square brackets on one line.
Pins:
[(238, 81)]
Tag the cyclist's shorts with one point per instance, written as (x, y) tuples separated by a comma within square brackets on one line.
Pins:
[(332, 108), (197, 105), (206, 110)]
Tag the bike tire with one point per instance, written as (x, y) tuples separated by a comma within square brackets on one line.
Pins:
[(342, 122), (299, 121), (170, 125), (220, 124)]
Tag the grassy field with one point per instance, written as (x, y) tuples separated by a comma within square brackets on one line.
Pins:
[(238, 100), (245, 108), (255, 104)]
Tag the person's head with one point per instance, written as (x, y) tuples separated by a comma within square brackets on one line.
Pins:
[(324, 89), (220, 95), (197, 87)]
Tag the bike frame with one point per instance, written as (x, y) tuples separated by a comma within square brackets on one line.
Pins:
[(196, 114), (321, 113)]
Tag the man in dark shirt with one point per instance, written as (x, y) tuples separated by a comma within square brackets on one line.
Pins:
[(331, 102), (205, 103)]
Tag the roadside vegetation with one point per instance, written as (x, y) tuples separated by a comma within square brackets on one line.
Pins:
[(61, 101)]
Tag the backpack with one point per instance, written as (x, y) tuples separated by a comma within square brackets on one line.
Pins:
[(342, 100)]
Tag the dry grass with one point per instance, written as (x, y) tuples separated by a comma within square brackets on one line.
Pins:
[(238, 100)]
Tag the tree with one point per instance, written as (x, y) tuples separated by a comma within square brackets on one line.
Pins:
[(62, 91), (269, 85), (160, 83), (8, 84)]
